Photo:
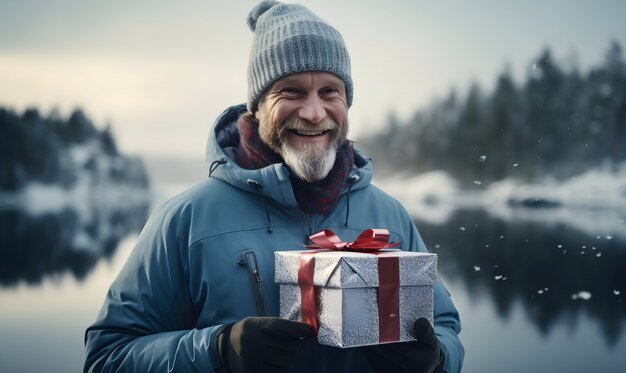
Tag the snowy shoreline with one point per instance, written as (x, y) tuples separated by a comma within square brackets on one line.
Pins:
[(593, 202)]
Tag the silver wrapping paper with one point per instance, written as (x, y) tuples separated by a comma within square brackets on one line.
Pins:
[(347, 282)]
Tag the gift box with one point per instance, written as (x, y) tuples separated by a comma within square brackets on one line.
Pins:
[(356, 298)]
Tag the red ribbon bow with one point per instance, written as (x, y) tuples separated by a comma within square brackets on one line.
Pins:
[(368, 240)]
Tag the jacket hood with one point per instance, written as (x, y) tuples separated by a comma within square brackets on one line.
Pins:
[(271, 181)]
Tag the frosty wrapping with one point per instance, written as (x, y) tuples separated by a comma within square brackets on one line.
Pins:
[(348, 298)]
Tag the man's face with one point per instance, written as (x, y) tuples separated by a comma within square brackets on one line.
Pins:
[(303, 117)]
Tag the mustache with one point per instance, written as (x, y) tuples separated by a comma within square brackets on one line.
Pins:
[(295, 123)]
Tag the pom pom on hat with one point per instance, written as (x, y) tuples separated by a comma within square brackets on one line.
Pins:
[(256, 12), (289, 39)]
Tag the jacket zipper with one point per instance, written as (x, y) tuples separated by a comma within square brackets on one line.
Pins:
[(256, 281)]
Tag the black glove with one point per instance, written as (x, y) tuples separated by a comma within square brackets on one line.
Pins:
[(421, 356), (262, 344)]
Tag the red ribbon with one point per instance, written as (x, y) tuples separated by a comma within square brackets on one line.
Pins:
[(388, 298), (306, 267), (370, 241)]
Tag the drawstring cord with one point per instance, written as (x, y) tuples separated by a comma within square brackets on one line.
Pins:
[(257, 188), (351, 182), (215, 165)]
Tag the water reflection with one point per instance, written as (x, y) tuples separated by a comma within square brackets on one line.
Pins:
[(36, 246), (556, 273)]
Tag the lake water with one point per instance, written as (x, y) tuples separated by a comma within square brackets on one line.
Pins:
[(534, 295)]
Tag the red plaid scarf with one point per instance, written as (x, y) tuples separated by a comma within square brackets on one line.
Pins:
[(313, 198)]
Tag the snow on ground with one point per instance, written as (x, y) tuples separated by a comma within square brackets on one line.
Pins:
[(39, 199), (594, 189), (428, 197), (94, 186), (593, 202)]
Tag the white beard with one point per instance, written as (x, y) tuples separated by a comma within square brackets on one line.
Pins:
[(310, 162)]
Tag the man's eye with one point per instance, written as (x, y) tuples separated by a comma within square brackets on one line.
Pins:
[(290, 91), (329, 91)]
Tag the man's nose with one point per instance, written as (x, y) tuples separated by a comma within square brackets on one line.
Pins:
[(313, 110)]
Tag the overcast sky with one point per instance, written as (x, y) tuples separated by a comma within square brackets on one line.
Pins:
[(161, 71)]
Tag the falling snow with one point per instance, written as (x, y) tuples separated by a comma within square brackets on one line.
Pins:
[(584, 295), (476, 268)]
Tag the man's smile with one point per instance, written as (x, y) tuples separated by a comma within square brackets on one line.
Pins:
[(309, 133)]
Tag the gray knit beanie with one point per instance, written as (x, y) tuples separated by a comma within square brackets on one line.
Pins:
[(288, 39)]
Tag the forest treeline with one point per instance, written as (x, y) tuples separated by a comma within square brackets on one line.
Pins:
[(55, 150), (558, 122)]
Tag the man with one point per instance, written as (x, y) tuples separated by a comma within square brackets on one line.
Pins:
[(197, 293)]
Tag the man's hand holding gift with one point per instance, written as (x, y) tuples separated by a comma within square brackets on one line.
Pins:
[(421, 356)]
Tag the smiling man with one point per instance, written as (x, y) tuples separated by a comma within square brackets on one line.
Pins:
[(197, 293)]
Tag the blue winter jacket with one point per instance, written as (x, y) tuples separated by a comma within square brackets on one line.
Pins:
[(206, 258)]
